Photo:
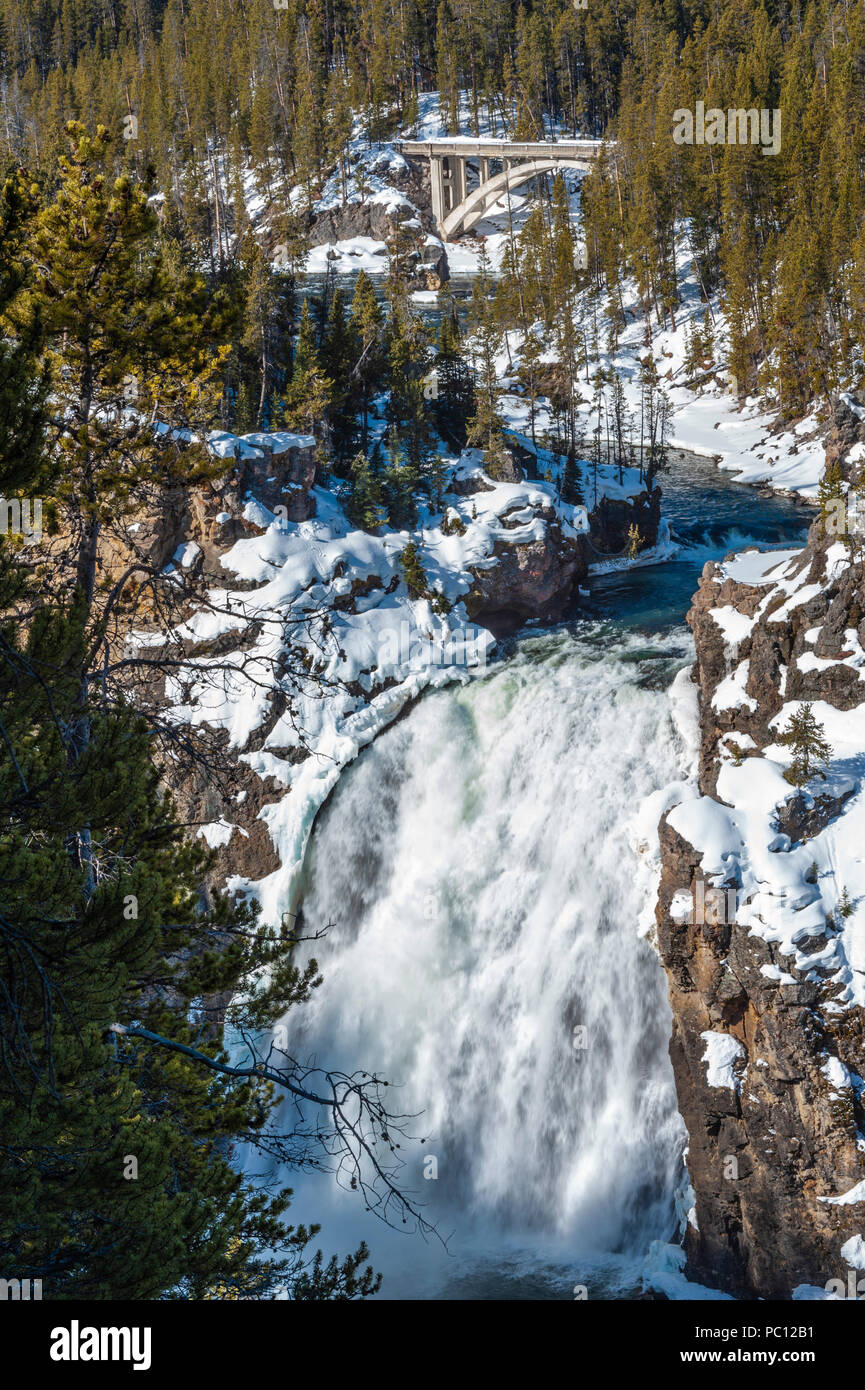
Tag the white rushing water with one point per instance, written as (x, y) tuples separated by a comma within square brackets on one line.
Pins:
[(483, 892)]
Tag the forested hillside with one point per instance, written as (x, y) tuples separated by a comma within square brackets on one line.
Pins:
[(224, 89), (202, 421)]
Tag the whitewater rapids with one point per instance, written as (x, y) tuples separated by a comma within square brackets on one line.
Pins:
[(477, 874)]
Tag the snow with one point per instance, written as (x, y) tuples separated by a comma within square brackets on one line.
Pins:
[(740, 438), (734, 625), (186, 553), (708, 417), (845, 729), (722, 1050), (854, 658), (218, 833), (853, 1251), (665, 549), (847, 1199), (351, 254), (685, 702), (757, 566), (781, 900), (838, 1076), (366, 660), (731, 693), (222, 444), (663, 1271), (776, 974)]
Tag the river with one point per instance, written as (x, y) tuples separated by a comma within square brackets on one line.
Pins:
[(477, 872)]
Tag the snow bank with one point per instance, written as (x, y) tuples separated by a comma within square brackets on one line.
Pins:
[(722, 1050), (790, 894), (324, 621)]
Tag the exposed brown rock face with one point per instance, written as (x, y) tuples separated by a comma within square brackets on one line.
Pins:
[(278, 470), (762, 1230), (373, 218), (765, 1149), (427, 262), (539, 579), (535, 579)]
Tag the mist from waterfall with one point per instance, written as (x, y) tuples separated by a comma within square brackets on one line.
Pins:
[(477, 872)]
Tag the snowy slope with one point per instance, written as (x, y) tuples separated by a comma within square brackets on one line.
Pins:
[(322, 617)]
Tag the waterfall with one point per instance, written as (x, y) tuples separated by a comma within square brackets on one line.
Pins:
[(476, 870)]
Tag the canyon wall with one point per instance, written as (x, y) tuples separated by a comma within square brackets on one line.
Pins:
[(761, 913)]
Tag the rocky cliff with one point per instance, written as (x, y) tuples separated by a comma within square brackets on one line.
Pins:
[(538, 575), (295, 637), (761, 912)]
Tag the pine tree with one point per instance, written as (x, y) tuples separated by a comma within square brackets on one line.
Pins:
[(572, 491), (621, 420), (410, 438), (243, 416), (564, 272), (366, 323), (115, 1181), (306, 357), (265, 327), (309, 394), (833, 500), (122, 339), (654, 421), (412, 572), (811, 751), (454, 398), (366, 507), (339, 352), (485, 429), (339, 127), (399, 483), (528, 373), (23, 380)]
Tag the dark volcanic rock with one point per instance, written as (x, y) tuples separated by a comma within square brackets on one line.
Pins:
[(612, 519)]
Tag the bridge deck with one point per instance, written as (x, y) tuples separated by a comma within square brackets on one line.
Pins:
[(465, 145)]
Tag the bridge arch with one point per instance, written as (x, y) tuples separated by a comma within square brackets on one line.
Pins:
[(455, 209), (475, 205)]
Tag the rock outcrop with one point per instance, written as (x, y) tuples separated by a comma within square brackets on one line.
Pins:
[(200, 522), (759, 935), (536, 578), (537, 575), (374, 214), (400, 209)]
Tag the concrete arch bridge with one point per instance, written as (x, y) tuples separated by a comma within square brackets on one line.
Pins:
[(457, 210)]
